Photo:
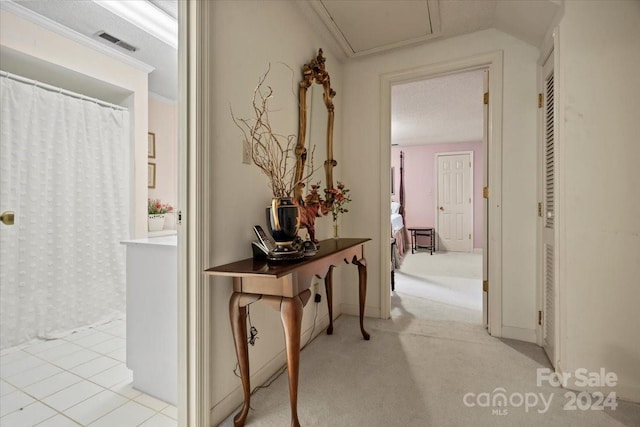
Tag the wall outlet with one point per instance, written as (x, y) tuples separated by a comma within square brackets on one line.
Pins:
[(246, 153)]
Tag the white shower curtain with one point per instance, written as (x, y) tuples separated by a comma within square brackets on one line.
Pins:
[(64, 170)]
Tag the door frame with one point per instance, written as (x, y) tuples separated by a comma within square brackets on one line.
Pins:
[(493, 153), (437, 198), (194, 82)]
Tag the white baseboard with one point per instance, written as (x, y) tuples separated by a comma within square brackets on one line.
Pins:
[(233, 400), (521, 334), (354, 310), (624, 391), (477, 250)]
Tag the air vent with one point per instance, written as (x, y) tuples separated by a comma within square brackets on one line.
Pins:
[(108, 37)]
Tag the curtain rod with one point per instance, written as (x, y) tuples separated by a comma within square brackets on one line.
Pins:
[(60, 90)]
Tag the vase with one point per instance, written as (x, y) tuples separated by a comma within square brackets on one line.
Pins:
[(156, 222), (335, 229), (283, 222)]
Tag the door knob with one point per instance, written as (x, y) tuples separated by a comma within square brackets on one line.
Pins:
[(7, 217), (441, 208)]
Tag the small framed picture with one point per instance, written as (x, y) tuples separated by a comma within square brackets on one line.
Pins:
[(151, 147), (151, 175)]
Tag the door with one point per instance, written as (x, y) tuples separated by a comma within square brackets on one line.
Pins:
[(455, 204), (546, 211)]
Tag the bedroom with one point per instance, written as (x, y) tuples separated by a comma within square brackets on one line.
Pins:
[(436, 212)]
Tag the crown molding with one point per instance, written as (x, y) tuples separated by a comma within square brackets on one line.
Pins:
[(42, 21), (332, 27)]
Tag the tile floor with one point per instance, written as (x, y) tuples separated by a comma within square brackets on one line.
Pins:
[(81, 380)]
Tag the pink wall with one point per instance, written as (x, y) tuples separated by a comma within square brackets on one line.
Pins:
[(420, 182)]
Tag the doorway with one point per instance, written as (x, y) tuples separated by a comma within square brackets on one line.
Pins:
[(97, 354), (445, 115), (491, 271)]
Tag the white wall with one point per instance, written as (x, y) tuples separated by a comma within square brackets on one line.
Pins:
[(361, 155), (599, 65), (163, 122), (30, 39), (248, 35)]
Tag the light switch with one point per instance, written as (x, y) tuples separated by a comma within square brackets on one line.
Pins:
[(246, 153)]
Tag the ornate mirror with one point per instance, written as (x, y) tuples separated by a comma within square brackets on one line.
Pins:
[(314, 77)]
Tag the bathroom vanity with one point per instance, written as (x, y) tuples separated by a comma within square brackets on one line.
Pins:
[(152, 315)]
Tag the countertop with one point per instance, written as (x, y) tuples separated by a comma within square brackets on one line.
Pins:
[(155, 241)]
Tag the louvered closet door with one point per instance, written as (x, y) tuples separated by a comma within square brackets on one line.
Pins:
[(548, 220)]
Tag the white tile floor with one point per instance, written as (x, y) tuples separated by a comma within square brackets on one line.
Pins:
[(81, 380)]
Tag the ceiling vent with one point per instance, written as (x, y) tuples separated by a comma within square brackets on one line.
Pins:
[(108, 37)]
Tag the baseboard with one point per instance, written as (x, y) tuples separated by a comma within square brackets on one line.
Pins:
[(354, 310), (624, 391), (477, 250), (520, 334), (221, 410)]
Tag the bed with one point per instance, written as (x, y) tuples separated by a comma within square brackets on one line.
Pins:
[(398, 229)]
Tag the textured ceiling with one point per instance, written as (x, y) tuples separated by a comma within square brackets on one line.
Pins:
[(439, 110)]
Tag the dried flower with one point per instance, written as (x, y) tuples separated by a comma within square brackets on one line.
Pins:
[(273, 153), (155, 206), (340, 198)]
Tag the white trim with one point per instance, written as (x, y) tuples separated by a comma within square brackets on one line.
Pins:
[(437, 195), (560, 198), (493, 61), (539, 195), (185, 370), (326, 18), (520, 334), (31, 16), (194, 300), (62, 91)]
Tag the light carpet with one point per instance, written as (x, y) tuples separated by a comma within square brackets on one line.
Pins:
[(442, 286), (416, 372)]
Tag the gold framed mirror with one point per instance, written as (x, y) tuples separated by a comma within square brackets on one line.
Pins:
[(314, 72)]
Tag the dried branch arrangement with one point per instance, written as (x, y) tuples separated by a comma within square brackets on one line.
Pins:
[(272, 152)]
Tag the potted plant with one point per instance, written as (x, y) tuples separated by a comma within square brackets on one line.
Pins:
[(340, 198), (157, 211)]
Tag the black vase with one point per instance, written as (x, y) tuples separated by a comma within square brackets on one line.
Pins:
[(283, 222)]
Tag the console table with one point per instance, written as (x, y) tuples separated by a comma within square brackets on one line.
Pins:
[(285, 287), (429, 232)]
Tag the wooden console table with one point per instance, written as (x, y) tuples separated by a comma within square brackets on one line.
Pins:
[(285, 287)]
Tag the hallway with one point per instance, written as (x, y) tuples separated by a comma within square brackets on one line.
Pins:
[(418, 372)]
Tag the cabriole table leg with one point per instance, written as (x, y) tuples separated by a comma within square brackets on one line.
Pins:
[(362, 282), (238, 317), (328, 286)]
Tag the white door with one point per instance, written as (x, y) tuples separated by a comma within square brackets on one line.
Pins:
[(547, 211), (455, 205)]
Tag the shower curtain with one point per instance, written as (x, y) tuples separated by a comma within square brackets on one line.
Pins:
[(64, 170)]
